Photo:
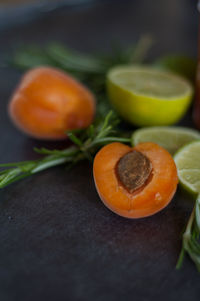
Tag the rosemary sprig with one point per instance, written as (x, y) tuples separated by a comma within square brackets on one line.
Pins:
[(86, 144), (90, 69), (191, 236)]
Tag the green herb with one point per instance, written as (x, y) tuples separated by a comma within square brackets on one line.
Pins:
[(90, 69), (191, 236), (86, 144)]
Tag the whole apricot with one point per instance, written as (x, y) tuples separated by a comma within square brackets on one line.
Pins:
[(48, 102)]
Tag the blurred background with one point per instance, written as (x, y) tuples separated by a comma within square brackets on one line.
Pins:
[(95, 24)]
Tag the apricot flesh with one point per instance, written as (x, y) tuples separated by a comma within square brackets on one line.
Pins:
[(48, 102), (149, 199)]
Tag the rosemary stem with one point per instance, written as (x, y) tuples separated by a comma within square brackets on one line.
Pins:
[(186, 237), (106, 140), (180, 258), (189, 225), (42, 165), (86, 144)]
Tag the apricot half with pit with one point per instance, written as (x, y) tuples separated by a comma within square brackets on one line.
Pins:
[(135, 182)]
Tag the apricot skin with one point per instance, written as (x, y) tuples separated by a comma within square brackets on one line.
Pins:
[(48, 102)]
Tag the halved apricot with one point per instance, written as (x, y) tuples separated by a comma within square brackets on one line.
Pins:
[(135, 182), (47, 102)]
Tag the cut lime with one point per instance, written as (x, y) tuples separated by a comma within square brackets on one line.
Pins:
[(171, 138), (145, 96), (188, 165)]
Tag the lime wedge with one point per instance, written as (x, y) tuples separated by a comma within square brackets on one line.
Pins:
[(188, 165), (146, 96), (171, 138)]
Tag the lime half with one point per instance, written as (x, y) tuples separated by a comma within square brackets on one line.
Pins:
[(187, 160), (171, 138), (146, 96)]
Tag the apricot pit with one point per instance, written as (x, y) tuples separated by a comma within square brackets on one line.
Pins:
[(133, 170)]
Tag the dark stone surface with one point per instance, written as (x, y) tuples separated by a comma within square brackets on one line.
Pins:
[(58, 241)]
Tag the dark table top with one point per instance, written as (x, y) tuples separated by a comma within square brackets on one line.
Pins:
[(58, 241)]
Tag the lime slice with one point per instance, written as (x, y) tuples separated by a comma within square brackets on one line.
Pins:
[(146, 96), (171, 138), (188, 165)]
